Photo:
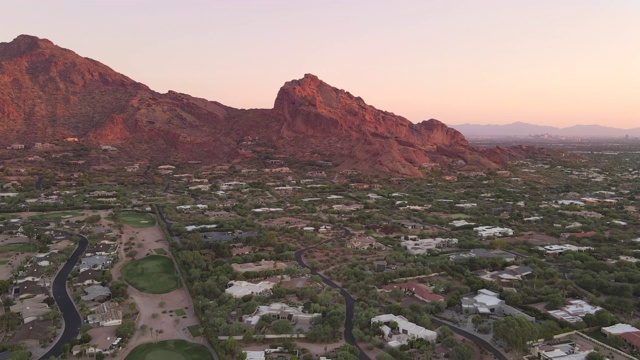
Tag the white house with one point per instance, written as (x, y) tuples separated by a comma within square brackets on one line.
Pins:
[(280, 311), (406, 330), (486, 231), (618, 329), (421, 246), (239, 289), (485, 302)]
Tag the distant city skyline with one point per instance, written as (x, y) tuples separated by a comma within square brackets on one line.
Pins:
[(557, 63)]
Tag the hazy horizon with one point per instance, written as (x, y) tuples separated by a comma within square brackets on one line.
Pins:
[(493, 62)]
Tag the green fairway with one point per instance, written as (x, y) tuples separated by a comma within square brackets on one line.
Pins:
[(170, 350), (56, 216), (18, 247), (153, 274), (138, 220)]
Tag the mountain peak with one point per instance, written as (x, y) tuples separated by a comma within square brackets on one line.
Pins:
[(21, 45)]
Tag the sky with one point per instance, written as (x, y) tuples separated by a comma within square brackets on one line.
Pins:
[(548, 62)]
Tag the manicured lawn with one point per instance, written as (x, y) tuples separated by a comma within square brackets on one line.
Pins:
[(160, 251), (138, 220), (18, 247), (195, 330), (180, 312), (170, 350), (4, 217), (56, 216), (153, 274)]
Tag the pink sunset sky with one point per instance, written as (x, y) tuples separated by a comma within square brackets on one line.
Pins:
[(549, 62)]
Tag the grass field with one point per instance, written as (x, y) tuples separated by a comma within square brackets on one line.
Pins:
[(180, 312), (195, 330), (160, 251), (18, 247), (138, 220), (3, 262), (56, 216), (153, 274), (170, 350), (4, 217)]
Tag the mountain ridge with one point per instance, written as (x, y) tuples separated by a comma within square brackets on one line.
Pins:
[(48, 93)]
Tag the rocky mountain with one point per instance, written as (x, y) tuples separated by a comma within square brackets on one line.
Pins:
[(521, 129), (48, 93)]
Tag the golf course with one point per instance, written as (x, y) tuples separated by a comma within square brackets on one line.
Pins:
[(170, 350), (138, 220), (153, 274)]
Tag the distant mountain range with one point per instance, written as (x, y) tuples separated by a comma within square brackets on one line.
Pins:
[(521, 129)]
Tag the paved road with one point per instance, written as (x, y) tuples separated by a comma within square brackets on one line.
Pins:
[(473, 337), (350, 302), (39, 182), (72, 319)]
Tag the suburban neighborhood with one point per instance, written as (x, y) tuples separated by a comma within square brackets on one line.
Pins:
[(282, 259)]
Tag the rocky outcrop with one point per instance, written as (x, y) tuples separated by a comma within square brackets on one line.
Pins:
[(48, 93)]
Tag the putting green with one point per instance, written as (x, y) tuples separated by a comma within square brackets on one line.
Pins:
[(56, 216), (153, 274), (138, 220), (170, 350)]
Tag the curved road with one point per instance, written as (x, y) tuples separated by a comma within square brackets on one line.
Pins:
[(350, 302), (72, 319), (473, 337)]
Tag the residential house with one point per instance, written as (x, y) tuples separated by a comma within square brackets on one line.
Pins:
[(364, 243), (96, 293), (105, 248), (280, 311), (411, 225), (28, 289), (90, 277), (417, 246), (406, 330), (574, 311), (94, 262), (416, 289), (485, 302), (232, 185), (239, 289), (106, 314), (263, 265), (31, 309), (618, 329), (486, 231), (484, 253), (552, 250), (562, 350), (507, 276)]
